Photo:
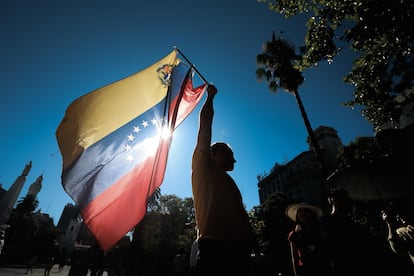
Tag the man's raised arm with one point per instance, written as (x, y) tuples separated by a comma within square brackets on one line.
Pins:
[(206, 120)]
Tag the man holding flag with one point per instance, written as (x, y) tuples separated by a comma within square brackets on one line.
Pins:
[(225, 236)]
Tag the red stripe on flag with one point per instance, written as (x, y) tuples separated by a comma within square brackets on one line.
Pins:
[(124, 204)]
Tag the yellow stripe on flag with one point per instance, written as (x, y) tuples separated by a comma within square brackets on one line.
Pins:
[(98, 113)]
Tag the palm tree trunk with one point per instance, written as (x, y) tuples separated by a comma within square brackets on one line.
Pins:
[(311, 134)]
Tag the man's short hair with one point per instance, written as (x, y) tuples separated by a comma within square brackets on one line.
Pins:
[(219, 146)]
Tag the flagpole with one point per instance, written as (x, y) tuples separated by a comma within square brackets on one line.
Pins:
[(192, 65)]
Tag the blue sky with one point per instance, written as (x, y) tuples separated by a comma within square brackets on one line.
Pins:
[(53, 52)]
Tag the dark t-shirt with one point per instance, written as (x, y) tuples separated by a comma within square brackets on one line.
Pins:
[(349, 244)]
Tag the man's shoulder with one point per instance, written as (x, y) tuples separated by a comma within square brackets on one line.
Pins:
[(201, 153), (200, 159)]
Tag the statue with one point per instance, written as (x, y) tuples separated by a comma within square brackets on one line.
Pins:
[(36, 186), (27, 169)]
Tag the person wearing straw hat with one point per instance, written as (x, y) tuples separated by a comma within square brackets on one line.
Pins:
[(292, 210), (307, 250)]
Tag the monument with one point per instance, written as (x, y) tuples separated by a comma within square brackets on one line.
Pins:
[(10, 197)]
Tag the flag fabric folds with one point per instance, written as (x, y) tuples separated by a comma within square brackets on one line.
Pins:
[(115, 140)]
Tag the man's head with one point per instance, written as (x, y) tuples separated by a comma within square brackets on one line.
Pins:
[(223, 155)]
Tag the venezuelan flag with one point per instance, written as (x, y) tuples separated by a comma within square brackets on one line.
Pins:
[(115, 140)]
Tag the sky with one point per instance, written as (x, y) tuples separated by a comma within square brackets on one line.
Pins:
[(54, 51)]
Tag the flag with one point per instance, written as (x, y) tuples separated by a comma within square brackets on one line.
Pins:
[(115, 140)]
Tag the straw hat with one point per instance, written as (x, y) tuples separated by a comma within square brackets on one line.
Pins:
[(292, 210)]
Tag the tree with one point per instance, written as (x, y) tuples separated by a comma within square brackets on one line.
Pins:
[(165, 230), (27, 205), (362, 149), (45, 238), (381, 33), (30, 233), (278, 65), (20, 236), (153, 201), (271, 227)]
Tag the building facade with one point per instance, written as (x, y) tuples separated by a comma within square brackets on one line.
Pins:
[(303, 178)]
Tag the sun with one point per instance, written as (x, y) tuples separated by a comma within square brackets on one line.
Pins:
[(165, 133)]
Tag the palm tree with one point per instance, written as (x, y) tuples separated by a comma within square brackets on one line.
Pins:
[(27, 205), (277, 65)]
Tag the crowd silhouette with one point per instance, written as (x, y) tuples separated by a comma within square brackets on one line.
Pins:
[(323, 240)]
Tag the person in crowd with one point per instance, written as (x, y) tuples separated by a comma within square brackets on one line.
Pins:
[(350, 244), (400, 235), (307, 250), (62, 263), (181, 263), (49, 265), (2, 238), (31, 263), (225, 238), (193, 257), (78, 264)]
